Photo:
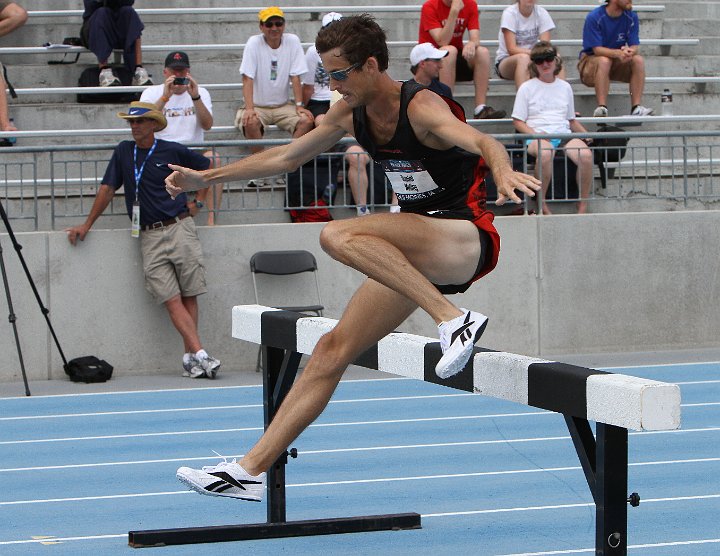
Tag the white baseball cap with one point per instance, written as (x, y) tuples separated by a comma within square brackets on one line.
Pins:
[(330, 17), (425, 51)]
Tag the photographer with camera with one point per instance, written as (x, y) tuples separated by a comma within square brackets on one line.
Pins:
[(109, 24), (188, 110)]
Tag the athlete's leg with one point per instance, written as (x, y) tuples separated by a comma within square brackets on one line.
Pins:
[(373, 312), (408, 253)]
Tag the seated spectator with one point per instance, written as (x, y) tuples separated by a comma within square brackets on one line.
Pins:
[(443, 23), (521, 26), (109, 24), (269, 61), (12, 16), (316, 83), (5, 124), (426, 62), (188, 110), (611, 41), (545, 104), (317, 98)]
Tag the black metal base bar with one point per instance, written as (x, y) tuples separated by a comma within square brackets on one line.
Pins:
[(223, 533)]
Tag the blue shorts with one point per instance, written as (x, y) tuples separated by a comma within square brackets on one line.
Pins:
[(554, 142)]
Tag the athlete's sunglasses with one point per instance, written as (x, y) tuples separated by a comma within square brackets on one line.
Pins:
[(342, 75), (276, 23), (541, 59)]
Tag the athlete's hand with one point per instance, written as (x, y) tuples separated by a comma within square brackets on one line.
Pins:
[(182, 180), (508, 181)]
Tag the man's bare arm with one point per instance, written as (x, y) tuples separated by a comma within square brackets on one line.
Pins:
[(436, 127), (103, 197), (270, 162)]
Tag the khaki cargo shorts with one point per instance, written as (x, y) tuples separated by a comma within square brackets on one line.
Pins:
[(284, 116), (173, 261), (587, 68)]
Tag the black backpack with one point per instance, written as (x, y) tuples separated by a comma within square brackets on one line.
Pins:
[(90, 77), (88, 369)]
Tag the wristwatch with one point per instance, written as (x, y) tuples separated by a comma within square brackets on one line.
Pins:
[(298, 103)]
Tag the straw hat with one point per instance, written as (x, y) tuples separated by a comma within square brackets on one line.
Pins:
[(144, 110)]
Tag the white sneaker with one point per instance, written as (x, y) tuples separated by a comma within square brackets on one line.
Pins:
[(209, 365), (224, 479), (600, 112), (193, 369), (280, 180), (363, 211), (641, 110), (258, 182), (457, 338), (141, 77), (108, 78)]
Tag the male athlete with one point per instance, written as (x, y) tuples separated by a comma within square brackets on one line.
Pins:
[(441, 241)]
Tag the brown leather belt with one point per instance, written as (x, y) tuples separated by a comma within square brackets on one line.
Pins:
[(165, 223)]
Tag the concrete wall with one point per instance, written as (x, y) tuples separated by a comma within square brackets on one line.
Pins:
[(565, 284)]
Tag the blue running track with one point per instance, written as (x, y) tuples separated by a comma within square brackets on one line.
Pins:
[(489, 477)]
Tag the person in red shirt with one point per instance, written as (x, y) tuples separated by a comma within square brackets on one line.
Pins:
[(443, 23)]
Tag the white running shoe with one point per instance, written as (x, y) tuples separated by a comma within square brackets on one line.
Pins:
[(108, 79), (141, 77), (600, 112), (226, 478), (193, 369), (457, 338), (210, 366), (641, 110)]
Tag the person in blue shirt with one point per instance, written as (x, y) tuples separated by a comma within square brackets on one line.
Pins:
[(611, 43), (171, 251)]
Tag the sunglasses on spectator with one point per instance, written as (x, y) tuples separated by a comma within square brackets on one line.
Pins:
[(342, 75), (276, 23), (549, 57)]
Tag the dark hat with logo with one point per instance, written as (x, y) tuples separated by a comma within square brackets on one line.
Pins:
[(177, 59)]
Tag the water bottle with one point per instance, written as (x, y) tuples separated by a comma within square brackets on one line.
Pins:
[(666, 102)]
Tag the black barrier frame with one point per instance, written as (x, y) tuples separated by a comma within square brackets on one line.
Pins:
[(280, 368), (604, 460)]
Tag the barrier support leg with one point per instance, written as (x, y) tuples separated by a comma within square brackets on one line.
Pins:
[(279, 370), (604, 459)]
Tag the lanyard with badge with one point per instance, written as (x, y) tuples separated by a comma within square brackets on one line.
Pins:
[(135, 230)]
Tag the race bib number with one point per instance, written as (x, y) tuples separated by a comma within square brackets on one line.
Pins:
[(409, 179)]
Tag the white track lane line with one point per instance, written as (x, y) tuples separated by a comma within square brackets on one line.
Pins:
[(630, 547), (166, 390), (257, 406), (453, 514), (319, 452), (250, 429), (221, 407), (368, 481)]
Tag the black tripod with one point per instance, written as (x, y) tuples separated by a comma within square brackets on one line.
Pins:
[(12, 318)]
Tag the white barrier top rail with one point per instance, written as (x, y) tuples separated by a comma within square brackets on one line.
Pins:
[(613, 399), (57, 49), (651, 8)]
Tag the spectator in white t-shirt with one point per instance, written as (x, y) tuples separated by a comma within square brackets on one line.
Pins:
[(521, 26), (545, 105), (188, 110), (269, 61)]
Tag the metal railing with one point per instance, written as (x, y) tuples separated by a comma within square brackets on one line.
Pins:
[(51, 187)]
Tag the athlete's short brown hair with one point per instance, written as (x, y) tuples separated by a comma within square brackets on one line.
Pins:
[(358, 37)]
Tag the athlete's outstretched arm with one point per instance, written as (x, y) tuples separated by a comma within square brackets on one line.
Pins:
[(284, 158), (436, 126)]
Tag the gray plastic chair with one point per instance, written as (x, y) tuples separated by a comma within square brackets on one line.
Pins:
[(285, 263)]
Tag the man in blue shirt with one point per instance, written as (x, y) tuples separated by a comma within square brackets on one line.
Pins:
[(171, 251), (610, 53)]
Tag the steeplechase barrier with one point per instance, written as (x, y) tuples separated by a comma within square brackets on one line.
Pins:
[(615, 402)]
